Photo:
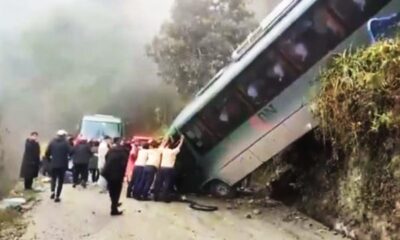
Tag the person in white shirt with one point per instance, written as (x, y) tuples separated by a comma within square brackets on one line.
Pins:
[(102, 152), (150, 169), (165, 176), (137, 174)]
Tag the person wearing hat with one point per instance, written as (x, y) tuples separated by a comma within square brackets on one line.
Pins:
[(81, 154), (58, 153)]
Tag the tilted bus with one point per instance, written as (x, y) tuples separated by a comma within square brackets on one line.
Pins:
[(259, 103)]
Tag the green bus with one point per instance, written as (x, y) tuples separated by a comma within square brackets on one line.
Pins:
[(95, 127), (260, 102)]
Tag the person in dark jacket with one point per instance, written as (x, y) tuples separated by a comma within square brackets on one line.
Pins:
[(81, 154), (58, 153), (93, 162), (31, 160), (113, 172)]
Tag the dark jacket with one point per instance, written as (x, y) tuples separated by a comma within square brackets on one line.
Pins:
[(58, 153), (116, 160), (31, 160), (93, 161), (81, 153)]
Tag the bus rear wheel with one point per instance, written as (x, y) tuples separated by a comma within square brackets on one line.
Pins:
[(221, 190)]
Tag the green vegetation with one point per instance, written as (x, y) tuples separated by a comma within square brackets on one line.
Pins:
[(359, 112), (359, 102), (198, 41), (11, 224), (8, 217)]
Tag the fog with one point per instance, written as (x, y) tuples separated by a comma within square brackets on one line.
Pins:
[(61, 59)]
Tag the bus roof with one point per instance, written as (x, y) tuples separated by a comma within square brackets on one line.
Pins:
[(233, 69), (102, 118)]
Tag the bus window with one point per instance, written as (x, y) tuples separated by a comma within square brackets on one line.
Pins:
[(311, 37), (265, 78), (353, 13), (226, 113), (199, 136)]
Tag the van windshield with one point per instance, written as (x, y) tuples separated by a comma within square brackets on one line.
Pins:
[(97, 129)]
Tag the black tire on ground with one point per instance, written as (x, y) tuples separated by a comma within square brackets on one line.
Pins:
[(222, 190)]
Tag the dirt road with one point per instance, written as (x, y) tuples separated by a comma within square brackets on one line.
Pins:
[(83, 214)]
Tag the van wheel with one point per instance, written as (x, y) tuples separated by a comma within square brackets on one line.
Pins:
[(222, 190)]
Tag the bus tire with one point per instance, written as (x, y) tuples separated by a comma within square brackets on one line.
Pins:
[(220, 189)]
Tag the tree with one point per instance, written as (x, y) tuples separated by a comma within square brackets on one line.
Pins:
[(197, 42)]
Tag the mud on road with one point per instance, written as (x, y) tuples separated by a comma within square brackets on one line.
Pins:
[(84, 214)]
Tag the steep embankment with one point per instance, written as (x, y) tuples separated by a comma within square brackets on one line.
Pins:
[(347, 173)]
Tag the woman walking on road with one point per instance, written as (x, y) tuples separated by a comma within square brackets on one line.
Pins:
[(31, 160)]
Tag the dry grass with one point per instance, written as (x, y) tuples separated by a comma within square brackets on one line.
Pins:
[(359, 101), (359, 112)]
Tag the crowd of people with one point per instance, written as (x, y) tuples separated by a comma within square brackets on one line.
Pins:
[(108, 162)]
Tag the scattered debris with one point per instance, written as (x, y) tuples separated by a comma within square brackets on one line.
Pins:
[(256, 211), (45, 180), (12, 203), (39, 189), (269, 203), (27, 206), (294, 216), (248, 216)]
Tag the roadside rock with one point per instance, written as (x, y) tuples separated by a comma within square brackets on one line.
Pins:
[(294, 216), (248, 216), (256, 211), (12, 203), (269, 203)]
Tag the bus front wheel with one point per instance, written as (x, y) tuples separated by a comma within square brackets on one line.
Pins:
[(221, 190)]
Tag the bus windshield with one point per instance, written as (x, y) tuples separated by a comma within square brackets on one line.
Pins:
[(96, 129)]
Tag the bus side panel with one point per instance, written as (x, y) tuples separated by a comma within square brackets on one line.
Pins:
[(272, 143), (300, 122), (239, 168), (289, 101), (258, 132)]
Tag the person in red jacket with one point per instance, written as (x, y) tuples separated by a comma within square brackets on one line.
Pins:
[(130, 166)]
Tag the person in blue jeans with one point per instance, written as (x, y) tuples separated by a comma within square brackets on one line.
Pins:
[(137, 174), (150, 169), (166, 173)]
